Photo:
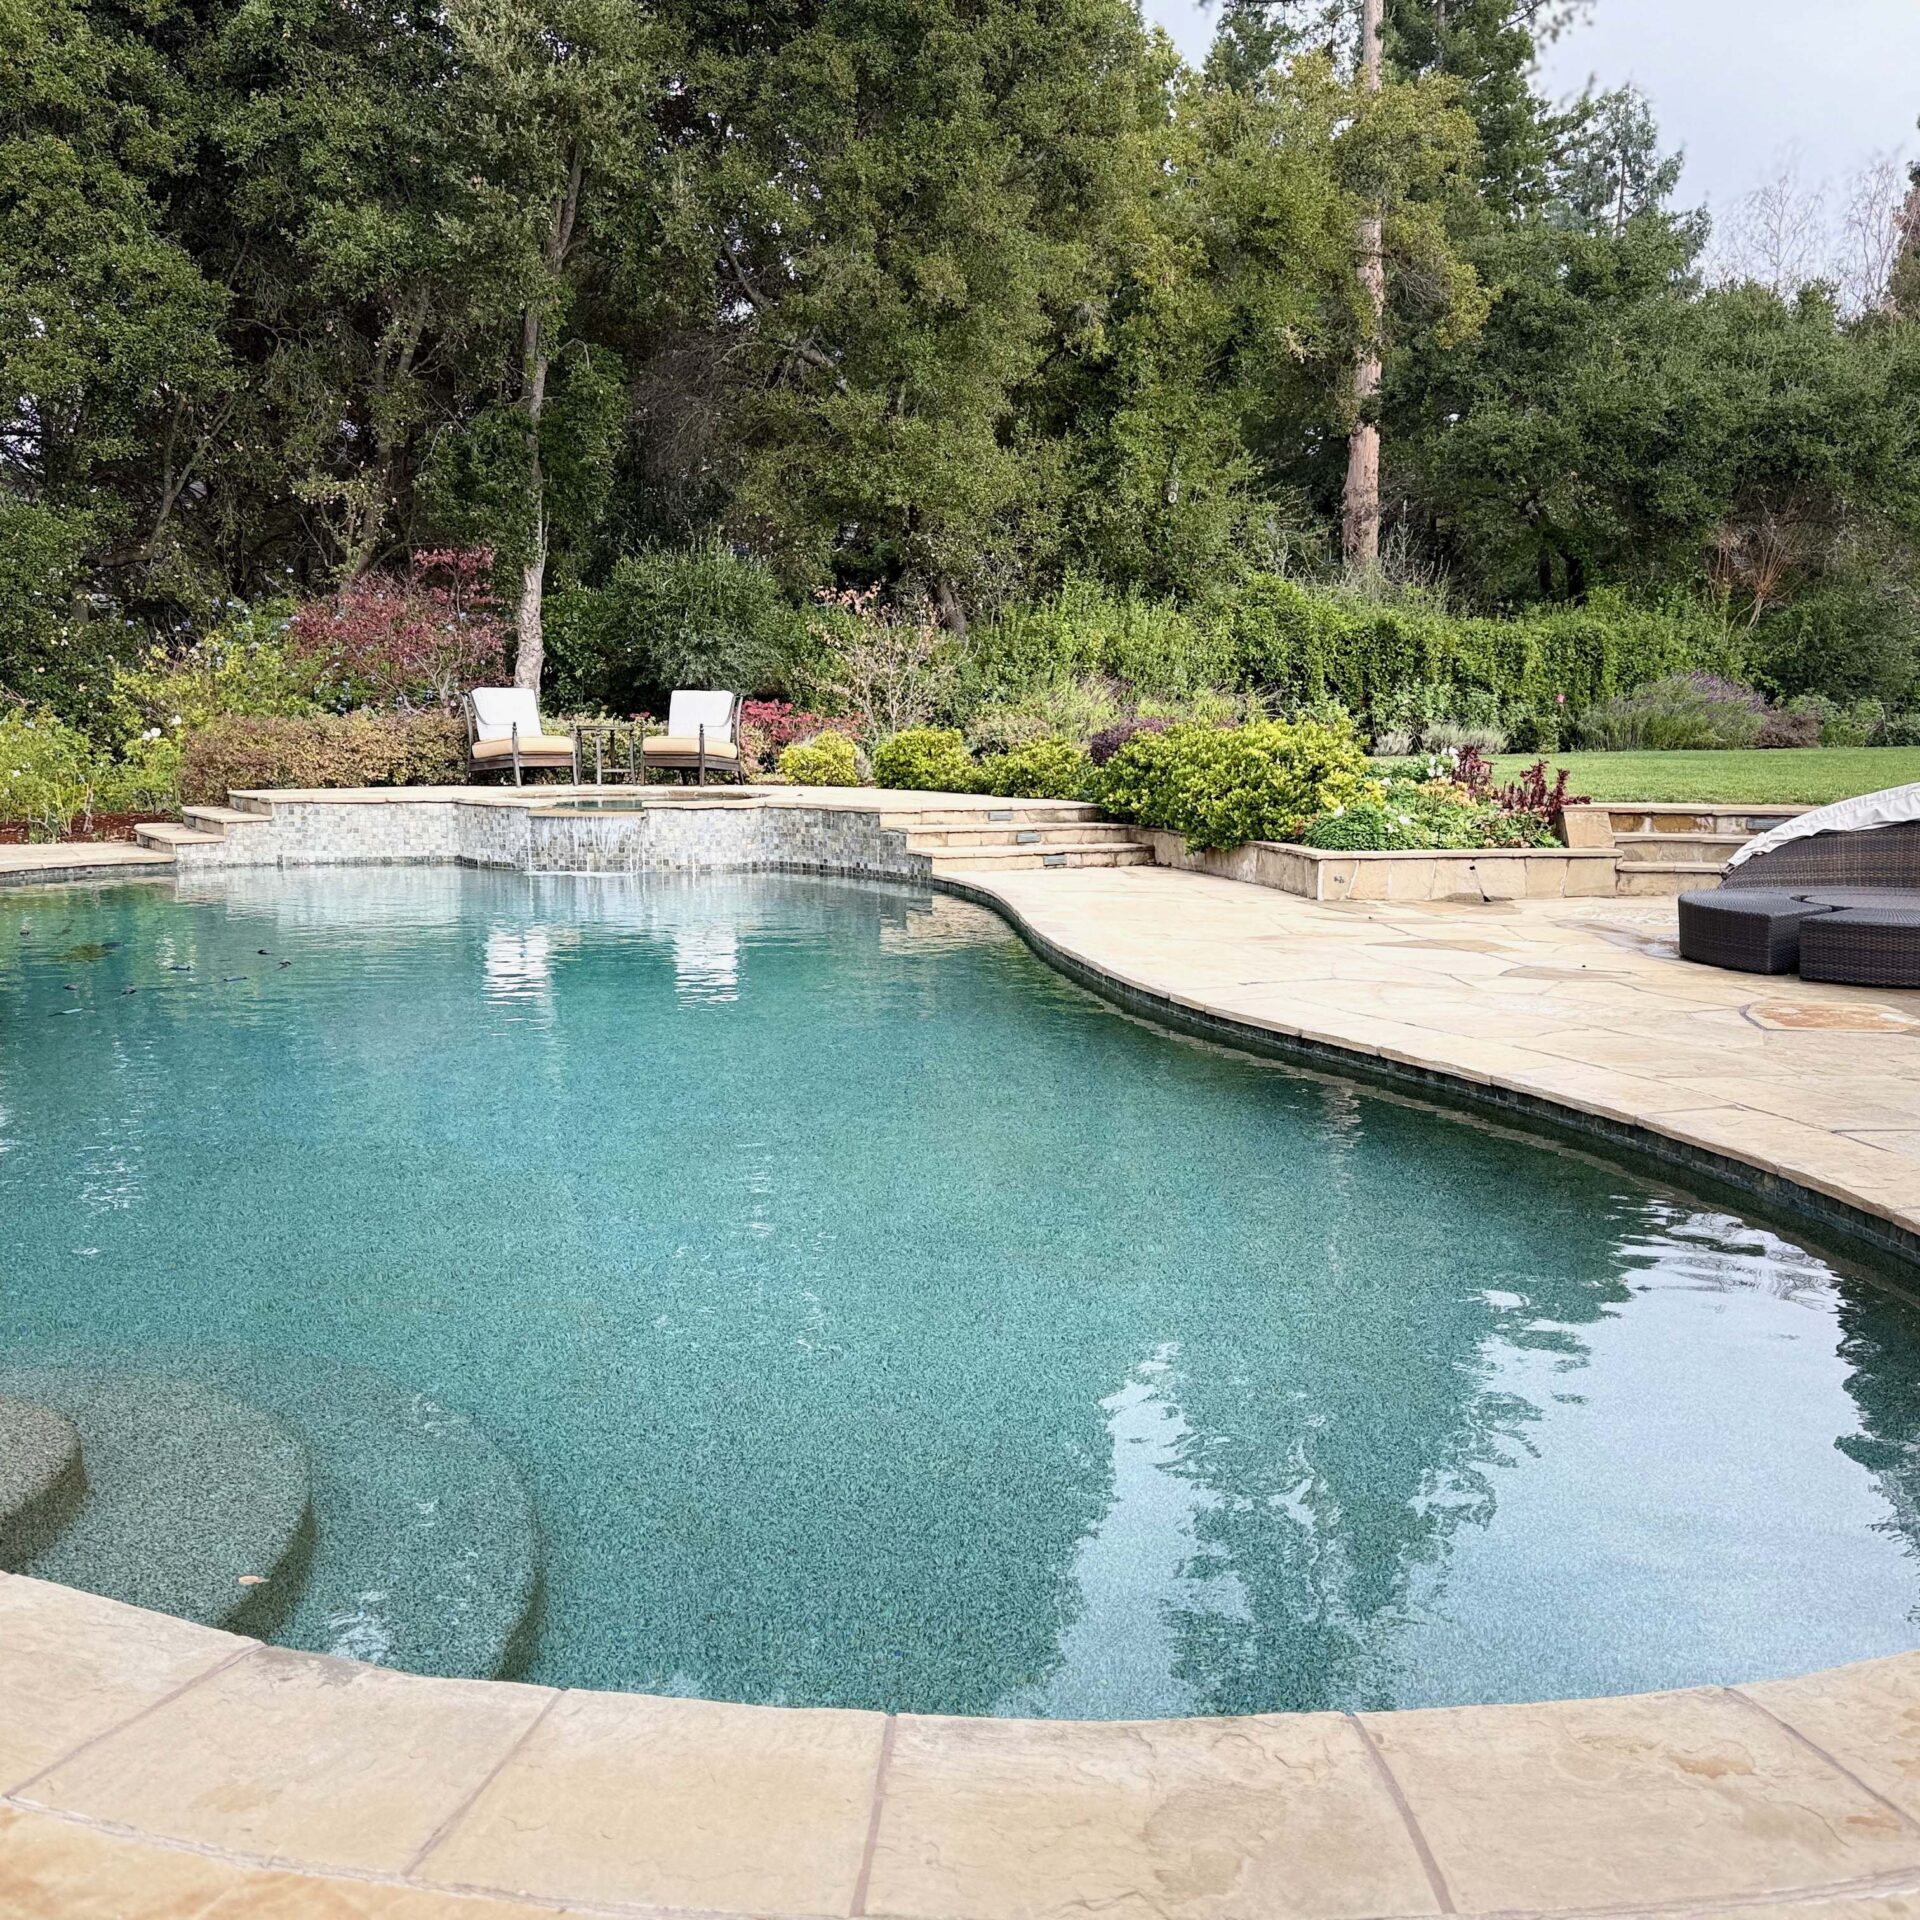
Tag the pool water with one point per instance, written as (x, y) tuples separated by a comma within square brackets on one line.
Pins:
[(871, 1318)]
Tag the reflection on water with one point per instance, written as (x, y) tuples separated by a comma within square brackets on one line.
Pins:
[(877, 1320), (1139, 1578)]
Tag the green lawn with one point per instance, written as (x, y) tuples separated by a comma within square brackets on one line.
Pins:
[(1785, 775)]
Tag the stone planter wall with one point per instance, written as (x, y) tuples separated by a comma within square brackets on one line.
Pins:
[(1544, 873)]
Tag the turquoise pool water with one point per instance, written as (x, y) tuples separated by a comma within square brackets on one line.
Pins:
[(870, 1317)]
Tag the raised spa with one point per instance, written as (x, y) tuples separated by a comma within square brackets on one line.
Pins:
[(790, 1290)]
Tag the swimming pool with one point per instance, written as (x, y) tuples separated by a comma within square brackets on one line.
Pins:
[(790, 1290)]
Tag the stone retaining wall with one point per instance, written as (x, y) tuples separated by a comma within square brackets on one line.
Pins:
[(1531, 873)]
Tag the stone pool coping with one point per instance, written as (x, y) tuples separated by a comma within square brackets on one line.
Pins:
[(149, 1766)]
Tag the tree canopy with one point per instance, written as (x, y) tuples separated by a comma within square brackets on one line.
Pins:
[(959, 298)]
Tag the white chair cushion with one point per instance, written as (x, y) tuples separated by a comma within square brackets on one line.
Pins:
[(666, 746), (688, 712), (498, 710)]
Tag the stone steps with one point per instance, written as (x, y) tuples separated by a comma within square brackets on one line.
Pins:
[(381, 1525), (42, 1479), (1011, 858), (1714, 849), (1645, 879), (1040, 833), (216, 820), (195, 1505), (1023, 813), (165, 834)]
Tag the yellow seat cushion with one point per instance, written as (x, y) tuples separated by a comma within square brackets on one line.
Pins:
[(668, 746), (539, 743)]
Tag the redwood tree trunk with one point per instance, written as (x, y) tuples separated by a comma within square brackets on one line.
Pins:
[(530, 643), (1360, 505)]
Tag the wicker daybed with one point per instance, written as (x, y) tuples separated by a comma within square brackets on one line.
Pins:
[(1834, 894)]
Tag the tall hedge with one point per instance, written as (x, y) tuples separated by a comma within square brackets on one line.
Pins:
[(1308, 644)]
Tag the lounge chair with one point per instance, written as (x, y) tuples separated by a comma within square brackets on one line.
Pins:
[(1834, 892), (703, 732), (504, 731)]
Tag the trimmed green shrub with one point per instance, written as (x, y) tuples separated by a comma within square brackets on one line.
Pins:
[(323, 750), (925, 759), (827, 760), (1221, 786), (1899, 730), (1042, 770)]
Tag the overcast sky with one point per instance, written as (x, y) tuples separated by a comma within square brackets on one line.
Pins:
[(1734, 82)]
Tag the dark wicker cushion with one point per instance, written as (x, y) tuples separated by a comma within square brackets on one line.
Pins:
[(1864, 946), (1748, 930)]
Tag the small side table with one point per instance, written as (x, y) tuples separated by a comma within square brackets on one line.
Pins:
[(612, 748)]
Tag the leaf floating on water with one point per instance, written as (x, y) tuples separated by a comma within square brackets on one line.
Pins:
[(90, 950)]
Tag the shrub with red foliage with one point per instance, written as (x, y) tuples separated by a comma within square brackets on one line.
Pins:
[(416, 640), (768, 727)]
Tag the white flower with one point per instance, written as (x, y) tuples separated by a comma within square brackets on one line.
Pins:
[(1338, 811), (175, 721), (1406, 819)]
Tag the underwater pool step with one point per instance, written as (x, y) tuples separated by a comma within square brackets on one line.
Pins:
[(195, 1504), (42, 1478), (426, 1550)]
